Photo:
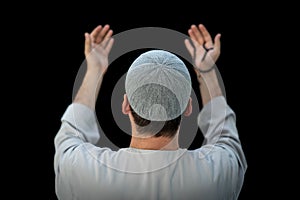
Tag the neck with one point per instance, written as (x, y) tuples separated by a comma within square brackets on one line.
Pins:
[(155, 143)]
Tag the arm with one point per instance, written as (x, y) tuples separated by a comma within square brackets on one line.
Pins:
[(216, 120), (97, 47), (205, 53), (79, 121), (79, 129)]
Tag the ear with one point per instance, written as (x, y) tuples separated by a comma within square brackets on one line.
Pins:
[(125, 105), (189, 108)]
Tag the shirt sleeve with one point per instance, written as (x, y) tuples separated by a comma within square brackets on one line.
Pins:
[(217, 122), (79, 126), (80, 123), (78, 130)]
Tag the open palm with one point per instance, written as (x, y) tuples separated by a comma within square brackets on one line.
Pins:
[(202, 49), (97, 47)]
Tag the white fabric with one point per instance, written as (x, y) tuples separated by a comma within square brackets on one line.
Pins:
[(158, 85), (85, 171)]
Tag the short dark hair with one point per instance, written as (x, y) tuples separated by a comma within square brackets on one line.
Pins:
[(157, 128)]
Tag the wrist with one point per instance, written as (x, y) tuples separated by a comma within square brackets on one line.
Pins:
[(205, 69), (201, 76), (95, 72)]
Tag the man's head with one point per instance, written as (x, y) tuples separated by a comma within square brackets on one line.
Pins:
[(158, 88)]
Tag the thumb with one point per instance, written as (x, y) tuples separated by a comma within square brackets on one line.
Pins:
[(87, 44), (217, 46)]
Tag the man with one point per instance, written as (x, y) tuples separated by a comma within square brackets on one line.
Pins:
[(158, 88)]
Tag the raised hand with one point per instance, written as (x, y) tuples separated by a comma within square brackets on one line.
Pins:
[(202, 49), (97, 47)]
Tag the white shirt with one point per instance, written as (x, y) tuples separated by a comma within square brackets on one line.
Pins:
[(84, 171)]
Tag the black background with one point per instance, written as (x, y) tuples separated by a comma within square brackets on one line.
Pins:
[(60, 41)]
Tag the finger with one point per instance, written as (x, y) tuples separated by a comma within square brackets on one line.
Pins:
[(189, 47), (193, 40), (198, 35), (102, 34), (217, 46), (206, 36), (87, 44), (191, 34), (109, 45), (95, 33), (109, 34)]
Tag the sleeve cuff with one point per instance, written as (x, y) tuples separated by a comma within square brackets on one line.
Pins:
[(84, 120)]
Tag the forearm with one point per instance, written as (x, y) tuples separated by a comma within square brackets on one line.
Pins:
[(209, 86), (89, 89)]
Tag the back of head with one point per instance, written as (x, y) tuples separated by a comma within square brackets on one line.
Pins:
[(158, 86)]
